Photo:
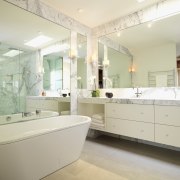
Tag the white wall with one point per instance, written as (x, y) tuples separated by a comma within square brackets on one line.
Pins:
[(119, 65), (159, 58)]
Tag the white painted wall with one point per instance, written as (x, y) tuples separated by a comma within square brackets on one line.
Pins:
[(159, 58), (119, 64)]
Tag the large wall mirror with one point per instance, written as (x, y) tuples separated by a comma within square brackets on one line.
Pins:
[(155, 50), (33, 56), (113, 66)]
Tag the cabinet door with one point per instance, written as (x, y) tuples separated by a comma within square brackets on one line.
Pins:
[(169, 135), (168, 115), (136, 112), (133, 129)]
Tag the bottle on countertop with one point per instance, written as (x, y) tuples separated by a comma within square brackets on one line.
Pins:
[(43, 93)]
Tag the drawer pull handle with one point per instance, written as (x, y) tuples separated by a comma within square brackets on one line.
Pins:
[(142, 130), (166, 115), (167, 135), (141, 113)]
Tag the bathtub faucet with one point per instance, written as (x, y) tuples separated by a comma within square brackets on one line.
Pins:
[(26, 114), (38, 112)]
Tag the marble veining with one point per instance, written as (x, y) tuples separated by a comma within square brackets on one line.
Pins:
[(162, 102), (154, 96), (112, 44), (151, 13), (156, 11), (39, 8)]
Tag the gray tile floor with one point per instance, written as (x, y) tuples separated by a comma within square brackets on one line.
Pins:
[(107, 158)]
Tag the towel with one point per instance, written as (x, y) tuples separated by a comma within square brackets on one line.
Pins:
[(98, 121), (99, 116), (97, 124), (161, 80)]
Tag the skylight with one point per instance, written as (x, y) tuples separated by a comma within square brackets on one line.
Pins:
[(13, 53), (38, 41)]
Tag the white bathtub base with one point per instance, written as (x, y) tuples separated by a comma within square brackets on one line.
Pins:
[(36, 157)]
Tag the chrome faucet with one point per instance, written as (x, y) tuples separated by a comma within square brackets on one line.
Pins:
[(26, 114), (137, 92), (8, 118), (38, 111)]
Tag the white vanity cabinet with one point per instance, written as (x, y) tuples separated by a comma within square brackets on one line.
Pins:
[(131, 120), (158, 123), (167, 125), (144, 113)]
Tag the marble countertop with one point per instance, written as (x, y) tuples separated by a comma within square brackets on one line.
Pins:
[(57, 98), (103, 100)]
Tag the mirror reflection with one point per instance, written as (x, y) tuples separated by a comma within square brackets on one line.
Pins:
[(53, 68), (81, 62), (33, 57), (155, 49), (113, 67), (56, 67)]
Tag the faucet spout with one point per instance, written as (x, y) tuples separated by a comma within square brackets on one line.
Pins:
[(138, 93)]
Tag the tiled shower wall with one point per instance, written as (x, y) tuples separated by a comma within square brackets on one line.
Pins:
[(19, 77)]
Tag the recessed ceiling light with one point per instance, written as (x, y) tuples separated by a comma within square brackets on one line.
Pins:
[(80, 10), (140, 1), (38, 41), (12, 53)]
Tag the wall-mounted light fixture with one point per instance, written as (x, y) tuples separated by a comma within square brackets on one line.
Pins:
[(106, 63), (131, 69), (94, 60), (73, 54)]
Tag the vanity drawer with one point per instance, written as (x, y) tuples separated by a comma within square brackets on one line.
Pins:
[(169, 115), (169, 135), (133, 129), (136, 112)]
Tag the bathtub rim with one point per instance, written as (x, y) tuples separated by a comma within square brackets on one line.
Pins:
[(47, 131), (55, 114)]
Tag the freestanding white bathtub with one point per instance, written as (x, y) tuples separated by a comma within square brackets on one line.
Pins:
[(31, 150)]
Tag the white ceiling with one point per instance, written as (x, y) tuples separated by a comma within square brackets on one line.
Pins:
[(141, 37), (97, 12), (18, 26)]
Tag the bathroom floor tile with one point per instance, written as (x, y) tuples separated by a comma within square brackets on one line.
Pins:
[(107, 158)]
